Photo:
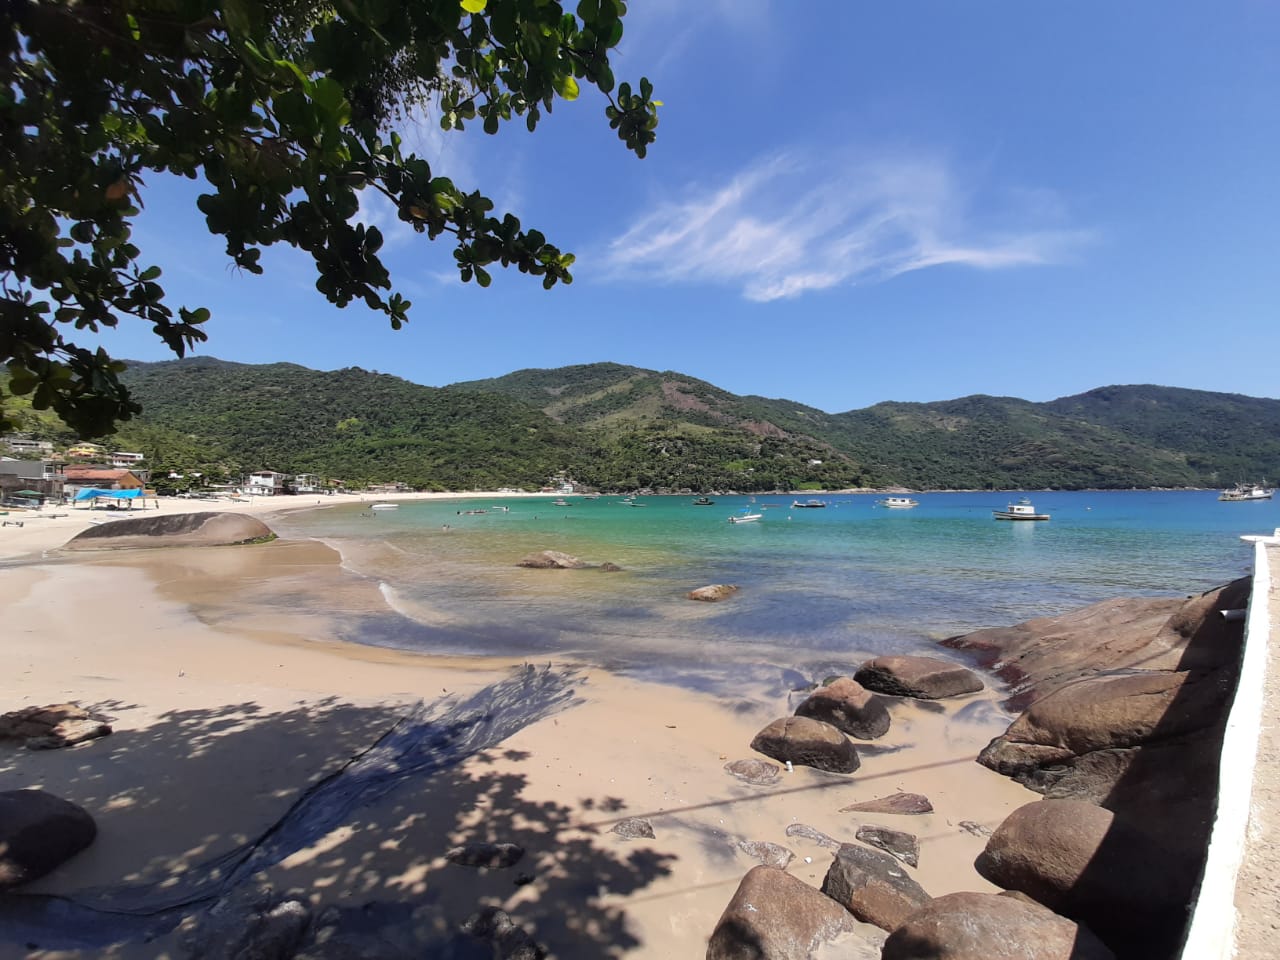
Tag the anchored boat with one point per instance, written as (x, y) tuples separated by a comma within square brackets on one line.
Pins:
[(1022, 510), (898, 503), (1240, 491)]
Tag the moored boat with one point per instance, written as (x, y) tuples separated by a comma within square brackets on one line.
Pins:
[(898, 503), (1022, 510), (385, 506), (808, 504), (746, 517), (704, 502), (1241, 492)]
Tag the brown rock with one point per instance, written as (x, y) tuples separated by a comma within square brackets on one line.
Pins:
[(173, 530), (482, 854), (39, 831), (773, 915), (848, 706), (713, 592), (982, 926), (1085, 863), (907, 804), (811, 743), (902, 845), (872, 886), (921, 677), (550, 560)]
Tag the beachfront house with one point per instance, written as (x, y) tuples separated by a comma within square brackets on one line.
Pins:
[(27, 447), (79, 478), (307, 483), (44, 477), (123, 459), (267, 483)]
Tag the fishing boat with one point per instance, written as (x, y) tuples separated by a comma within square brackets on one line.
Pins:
[(746, 517), (1241, 492), (898, 503), (704, 502), (807, 504), (1022, 510), (385, 506), (562, 502)]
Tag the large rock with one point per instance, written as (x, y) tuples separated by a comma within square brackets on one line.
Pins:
[(173, 530), (550, 560), (1039, 656), (39, 831), (872, 886), (774, 916), (810, 743), (713, 592), (53, 726), (1089, 865), (921, 677), (983, 926), (848, 706), (907, 804)]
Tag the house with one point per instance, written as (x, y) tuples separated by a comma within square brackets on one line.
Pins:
[(266, 483), (79, 478), (43, 476), (23, 445), (85, 451), (307, 483), (394, 487), (122, 459)]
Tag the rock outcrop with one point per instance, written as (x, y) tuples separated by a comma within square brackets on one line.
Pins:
[(849, 707), (777, 916), (713, 592), (39, 831), (923, 678), (173, 530), (810, 743), (872, 886), (550, 560), (983, 926), (907, 804)]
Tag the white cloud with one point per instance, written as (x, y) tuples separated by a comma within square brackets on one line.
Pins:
[(788, 225)]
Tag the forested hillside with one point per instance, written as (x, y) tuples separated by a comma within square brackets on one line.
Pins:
[(615, 427)]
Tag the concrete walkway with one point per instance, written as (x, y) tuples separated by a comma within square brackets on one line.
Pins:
[(1258, 885)]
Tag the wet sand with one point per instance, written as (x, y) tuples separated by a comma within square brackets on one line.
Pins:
[(222, 722)]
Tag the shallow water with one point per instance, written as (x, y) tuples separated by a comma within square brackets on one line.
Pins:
[(820, 588)]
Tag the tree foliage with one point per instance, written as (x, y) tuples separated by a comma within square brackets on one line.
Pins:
[(284, 109)]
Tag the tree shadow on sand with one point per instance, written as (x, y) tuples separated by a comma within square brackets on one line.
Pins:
[(355, 809)]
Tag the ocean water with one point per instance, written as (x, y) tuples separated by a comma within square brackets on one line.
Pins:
[(820, 589)]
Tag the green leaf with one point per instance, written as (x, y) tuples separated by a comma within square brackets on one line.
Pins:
[(150, 273), (473, 6), (567, 87)]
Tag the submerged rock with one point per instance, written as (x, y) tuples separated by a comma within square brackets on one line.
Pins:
[(812, 833), (509, 940), (811, 743), (550, 560), (770, 854), (923, 678), (634, 828), (756, 772), (481, 854), (713, 592)]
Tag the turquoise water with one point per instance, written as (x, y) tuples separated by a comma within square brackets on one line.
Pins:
[(819, 587)]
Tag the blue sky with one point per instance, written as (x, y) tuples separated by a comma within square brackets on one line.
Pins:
[(846, 203)]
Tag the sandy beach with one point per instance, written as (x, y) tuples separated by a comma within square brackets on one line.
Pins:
[(219, 731)]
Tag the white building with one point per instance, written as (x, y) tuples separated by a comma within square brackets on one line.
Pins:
[(266, 483), (123, 459), (308, 483)]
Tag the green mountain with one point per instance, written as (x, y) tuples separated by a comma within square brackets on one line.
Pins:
[(616, 427)]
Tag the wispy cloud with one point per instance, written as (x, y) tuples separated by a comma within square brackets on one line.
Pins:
[(789, 224)]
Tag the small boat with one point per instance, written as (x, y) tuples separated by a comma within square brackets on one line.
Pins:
[(898, 503), (385, 506), (746, 517), (561, 503), (1241, 492), (807, 504), (1022, 510), (704, 502)]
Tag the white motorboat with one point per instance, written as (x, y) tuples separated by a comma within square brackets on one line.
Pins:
[(808, 504), (746, 517), (1241, 492), (1022, 510), (385, 506), (898, 503)]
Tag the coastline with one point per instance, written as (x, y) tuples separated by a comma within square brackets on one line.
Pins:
[(220, 727)]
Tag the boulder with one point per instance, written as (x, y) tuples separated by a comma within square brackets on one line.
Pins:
[(907, 804), (905, 846), (57, 725), (1089, 865), (481, 854), (756, 772), (713, 592), (810, 743), (848, 706), (872, 886), (173, 530), (550, 560), (1039, 656), (983, 926), (39, 831), (776, 916), (923, 678), (508, 939)]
